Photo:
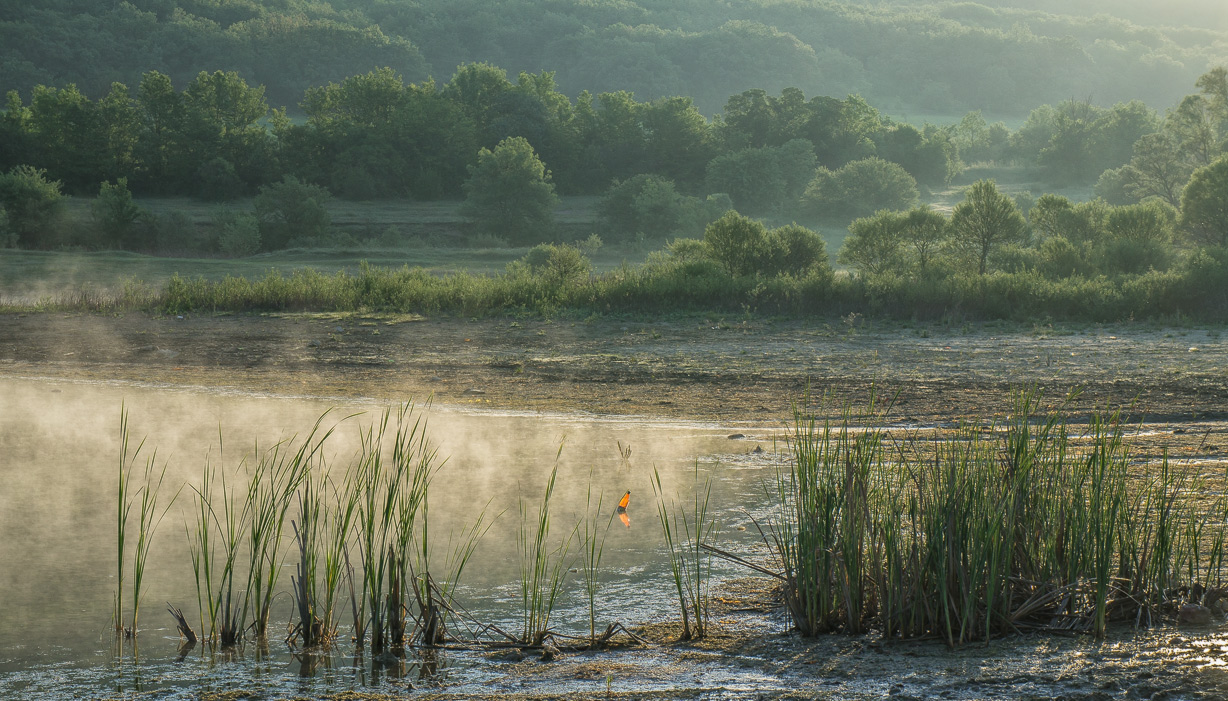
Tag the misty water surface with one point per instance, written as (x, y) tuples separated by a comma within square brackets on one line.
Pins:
[(60, 444)]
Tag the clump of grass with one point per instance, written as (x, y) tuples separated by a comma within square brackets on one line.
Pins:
[(149, 518), (686, 529), (592, 544), (543, 566), (1023, 527)]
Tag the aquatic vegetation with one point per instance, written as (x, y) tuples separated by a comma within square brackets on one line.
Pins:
[(592, 545), (1022, 526), (686, 534), (543, 566), (148, 520)]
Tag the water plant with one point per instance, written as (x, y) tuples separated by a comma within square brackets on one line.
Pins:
[(592, 544), (148, 520), (686, 530), (1016, 526), (543, 565)]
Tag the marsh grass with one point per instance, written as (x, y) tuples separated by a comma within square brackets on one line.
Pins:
[(148, 518), (543, 565), (592, 545), (1020, 527), (686, 528)]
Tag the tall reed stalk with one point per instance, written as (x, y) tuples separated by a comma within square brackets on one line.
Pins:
[(148, 520), (686, 529), (543, 566), (592, 544)]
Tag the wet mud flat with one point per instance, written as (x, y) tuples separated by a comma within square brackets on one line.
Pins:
[(694, 367)]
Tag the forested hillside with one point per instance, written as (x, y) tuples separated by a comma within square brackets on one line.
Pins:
[(939, 58)]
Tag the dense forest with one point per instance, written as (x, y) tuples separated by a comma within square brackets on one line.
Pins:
[(905, 57)]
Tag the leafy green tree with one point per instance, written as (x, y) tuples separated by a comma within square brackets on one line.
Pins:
[(117, 214), (859, 188), (875, 244), (509, 192), (31, 201), (218, 181), (679, 141), (1204, 204), (985, 221), (291, 209), (796, 250), (69, 135), (737, 243), (764, 179), (1138, 237), (238, 234), (1157, 169), (647, 204), (926, 232)]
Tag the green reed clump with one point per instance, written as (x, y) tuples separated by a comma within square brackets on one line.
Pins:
[(686, 530), (148, 519), (389, 493), (543, 566), (1021, 527), (592, 545)]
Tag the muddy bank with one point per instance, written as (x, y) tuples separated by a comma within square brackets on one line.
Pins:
[(690, 368)]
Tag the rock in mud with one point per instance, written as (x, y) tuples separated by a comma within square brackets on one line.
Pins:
[(1195, 614), (736, 436)]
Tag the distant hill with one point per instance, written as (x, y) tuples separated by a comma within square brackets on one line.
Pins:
[(1001, 56)]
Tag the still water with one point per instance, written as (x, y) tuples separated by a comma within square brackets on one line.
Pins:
[(59, 458)]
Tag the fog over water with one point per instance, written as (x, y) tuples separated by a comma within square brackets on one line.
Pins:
[(61, 446)]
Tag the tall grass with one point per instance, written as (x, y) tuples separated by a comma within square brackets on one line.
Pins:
[(668, 283), (1023, 527), (543, 565), (148, 518), (686, 529), (592, 545)]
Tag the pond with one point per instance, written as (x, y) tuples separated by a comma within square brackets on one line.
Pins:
[(60, 443)]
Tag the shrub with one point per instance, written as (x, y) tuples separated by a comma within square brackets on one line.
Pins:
[(860, 188), (31, 202), (117, 216), (559, 263), (291, 209), (238, 235)]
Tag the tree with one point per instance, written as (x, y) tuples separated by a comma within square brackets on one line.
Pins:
[(797, 251), (30, 200), (646, 204), (291, 209), (985, 221), (926, 232), (875, 244), (860, 188), (1204, 204), (509, 192), (117, 214), (1157, 169), (736, 243)]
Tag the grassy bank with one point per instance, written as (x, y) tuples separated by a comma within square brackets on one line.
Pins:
[(1198, 293)]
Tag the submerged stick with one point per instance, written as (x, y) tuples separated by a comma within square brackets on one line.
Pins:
[(181, 624)]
